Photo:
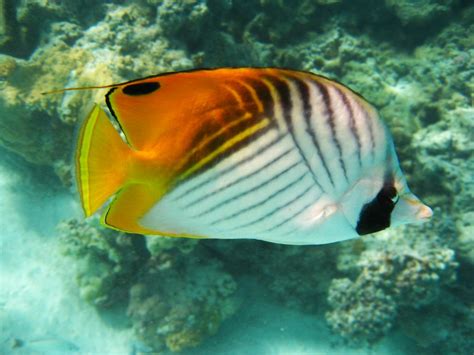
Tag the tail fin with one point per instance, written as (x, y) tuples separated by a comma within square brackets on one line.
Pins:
[(101, 161)]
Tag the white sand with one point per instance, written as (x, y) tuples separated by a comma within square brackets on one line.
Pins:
[(39, 302)]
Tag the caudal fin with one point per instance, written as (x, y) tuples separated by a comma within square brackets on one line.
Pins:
[(101, 161)]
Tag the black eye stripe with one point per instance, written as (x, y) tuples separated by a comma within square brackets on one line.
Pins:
[(141, 88), (388, 191), (375, 215)]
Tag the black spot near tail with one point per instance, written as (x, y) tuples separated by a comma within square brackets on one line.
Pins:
[(375, 215), (141, 88)]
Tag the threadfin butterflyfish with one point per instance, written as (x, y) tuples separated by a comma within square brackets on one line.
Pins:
[(264, 153)]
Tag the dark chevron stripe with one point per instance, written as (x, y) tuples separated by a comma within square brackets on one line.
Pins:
[(284, 98), (369, 122), (245, 193), (278, 208), (112, 112), (303, 91), (311, 131), (230, 130), (287, 105), (332, 125), (262, 149), (225, 154), (263, 92), (352, 125), (244, 93), (208, 128), (297, 213), (244, 177)]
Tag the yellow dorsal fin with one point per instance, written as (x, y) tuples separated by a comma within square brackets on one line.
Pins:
[(59, 91), (101, 161)]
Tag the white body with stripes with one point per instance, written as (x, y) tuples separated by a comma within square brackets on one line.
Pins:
[(304, 181)]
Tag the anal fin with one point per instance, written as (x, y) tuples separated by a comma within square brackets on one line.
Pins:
[(130, 205)]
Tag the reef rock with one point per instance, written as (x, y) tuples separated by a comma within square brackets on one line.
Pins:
[(366, 308), (106, 261), (180, 298), (419, 12), (125, 44)]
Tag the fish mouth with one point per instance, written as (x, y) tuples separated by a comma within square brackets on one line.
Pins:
[(424, 213), (409, 209)]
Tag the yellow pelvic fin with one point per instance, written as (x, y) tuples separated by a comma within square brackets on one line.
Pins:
[(130, 205)]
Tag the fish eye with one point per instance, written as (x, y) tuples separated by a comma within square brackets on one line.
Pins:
[(389, 192), (395, 198)]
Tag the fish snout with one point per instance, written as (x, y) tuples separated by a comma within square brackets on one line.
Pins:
[(424, 213), (409, 209)]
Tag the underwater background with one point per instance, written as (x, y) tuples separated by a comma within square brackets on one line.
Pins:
[(67, 285)]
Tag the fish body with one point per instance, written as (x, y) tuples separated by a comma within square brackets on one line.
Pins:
[(264, 153), (45, 345)]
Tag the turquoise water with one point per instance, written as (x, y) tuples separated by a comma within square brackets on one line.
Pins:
[(67, 285)]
